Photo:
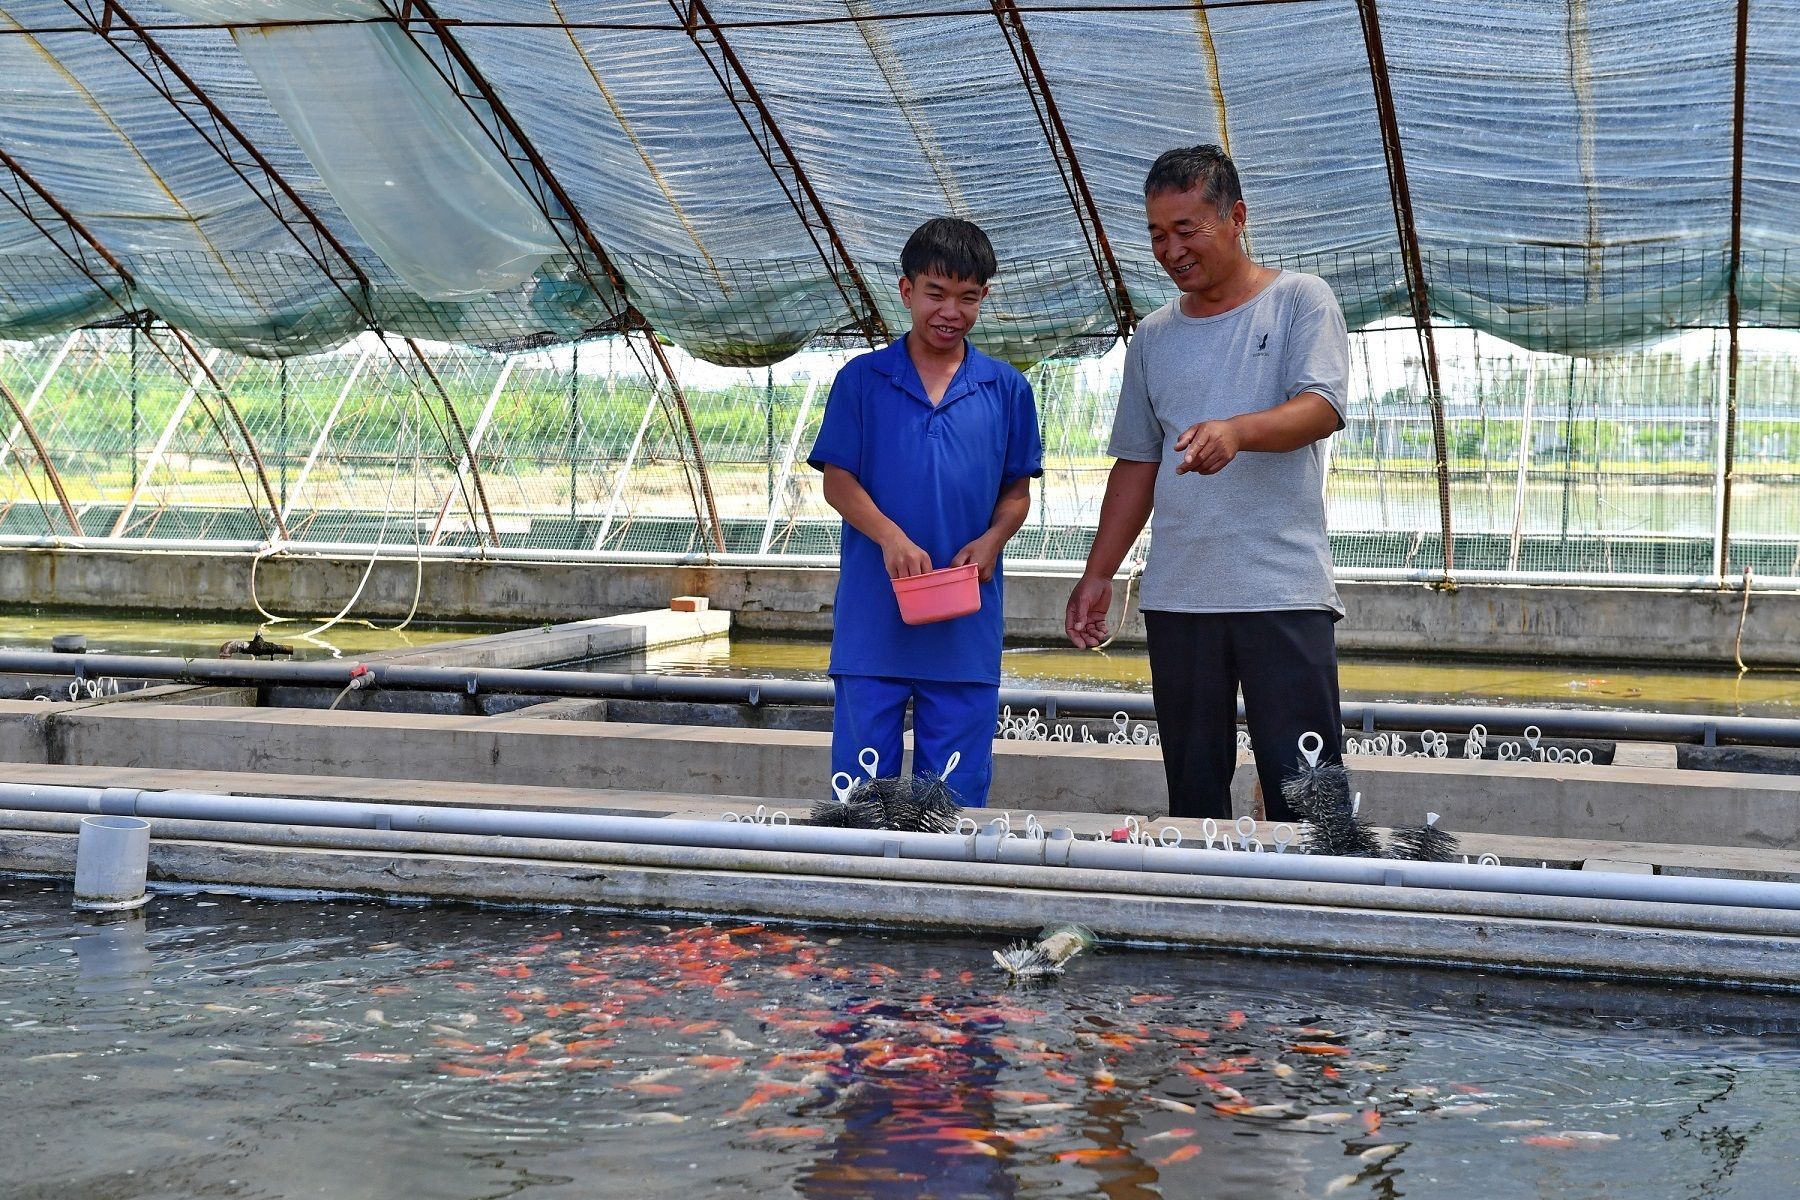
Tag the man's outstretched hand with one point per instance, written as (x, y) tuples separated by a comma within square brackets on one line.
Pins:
[(1085, 618), (1206, 448)]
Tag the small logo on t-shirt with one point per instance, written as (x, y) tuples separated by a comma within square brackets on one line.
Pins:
[(1262, 344)]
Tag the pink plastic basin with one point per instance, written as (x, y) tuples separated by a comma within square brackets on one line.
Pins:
[(939, 595)]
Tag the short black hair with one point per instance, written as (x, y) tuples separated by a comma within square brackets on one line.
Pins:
[(949, 246), (1205, 167)]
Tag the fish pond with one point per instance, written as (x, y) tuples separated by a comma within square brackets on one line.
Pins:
[(221, 1045)]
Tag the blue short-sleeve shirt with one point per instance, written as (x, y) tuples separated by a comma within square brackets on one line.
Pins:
[(936, 472)]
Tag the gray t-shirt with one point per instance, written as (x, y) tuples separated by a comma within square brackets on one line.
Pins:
[(1252, 537)]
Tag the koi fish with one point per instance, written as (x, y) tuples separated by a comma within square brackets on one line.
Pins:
[(1091, 1154), (1171, 1105), (1170, 1135), (465, 1072), (371, 1057), (1378, 1154), (654, 1089), (1325, 1049), (1178, 1155), (764, 1093), (1020, 1097)]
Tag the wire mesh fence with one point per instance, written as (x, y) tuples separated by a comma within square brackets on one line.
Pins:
[(1580, 466)]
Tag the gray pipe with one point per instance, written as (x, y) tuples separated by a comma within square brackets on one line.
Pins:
[(1760, 922), (1553, 722), (1061, 849)]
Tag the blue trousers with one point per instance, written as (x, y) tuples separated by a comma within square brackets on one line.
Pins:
[(948, 718)]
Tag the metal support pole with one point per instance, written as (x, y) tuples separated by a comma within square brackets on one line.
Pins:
[(1417, 288), (1734, 268)]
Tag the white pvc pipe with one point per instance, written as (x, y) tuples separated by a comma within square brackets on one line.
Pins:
[(692, 858), (111, 859), (989, 844)]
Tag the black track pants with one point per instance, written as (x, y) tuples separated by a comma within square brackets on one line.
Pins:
[(1287, 664)]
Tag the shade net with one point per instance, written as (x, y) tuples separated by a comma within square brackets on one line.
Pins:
[(545, 174), (538, 168)]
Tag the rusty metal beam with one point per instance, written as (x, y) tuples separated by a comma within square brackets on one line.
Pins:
[(150, 59), (1068, 165), (137, 46), (463, 77), (84, 238), (1416, 284), (43, 457), (765, 134), (1733, 269), (462, 441)]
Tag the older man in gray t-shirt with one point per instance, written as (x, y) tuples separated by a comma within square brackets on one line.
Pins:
[(1228, 394)]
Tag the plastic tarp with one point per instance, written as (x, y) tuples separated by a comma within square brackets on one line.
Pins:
[(1570, 164)]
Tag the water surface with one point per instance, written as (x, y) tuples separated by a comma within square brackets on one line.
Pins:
[(225, 1046)]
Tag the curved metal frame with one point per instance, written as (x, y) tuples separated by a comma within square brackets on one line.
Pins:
[(796, 185), (1068, 165), (86, 237), (559, 209), (120, 30), (43, 457)]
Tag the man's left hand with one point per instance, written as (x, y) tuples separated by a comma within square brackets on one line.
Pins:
[(982, 552), (1206, 448)]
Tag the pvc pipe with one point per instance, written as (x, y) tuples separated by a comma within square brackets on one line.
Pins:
[(1061, 849), (698, 858), (1614, 724), (1061, 567), (111, 859)]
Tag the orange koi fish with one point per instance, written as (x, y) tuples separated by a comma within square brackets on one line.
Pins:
[(653, 1089), (1321, 1048), (1178, 1155), (764, 1093), (1021, 1097), (1091, 1154), (466, 1072)]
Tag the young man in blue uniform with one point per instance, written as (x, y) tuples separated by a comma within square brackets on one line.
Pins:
[(928, 448)]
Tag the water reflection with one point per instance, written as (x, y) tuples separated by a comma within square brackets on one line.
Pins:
[(112, 956)]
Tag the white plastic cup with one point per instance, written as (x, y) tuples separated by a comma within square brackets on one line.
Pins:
[(112, 857)]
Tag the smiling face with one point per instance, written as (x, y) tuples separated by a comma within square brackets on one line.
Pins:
[(943, 308), (1201, 250)]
